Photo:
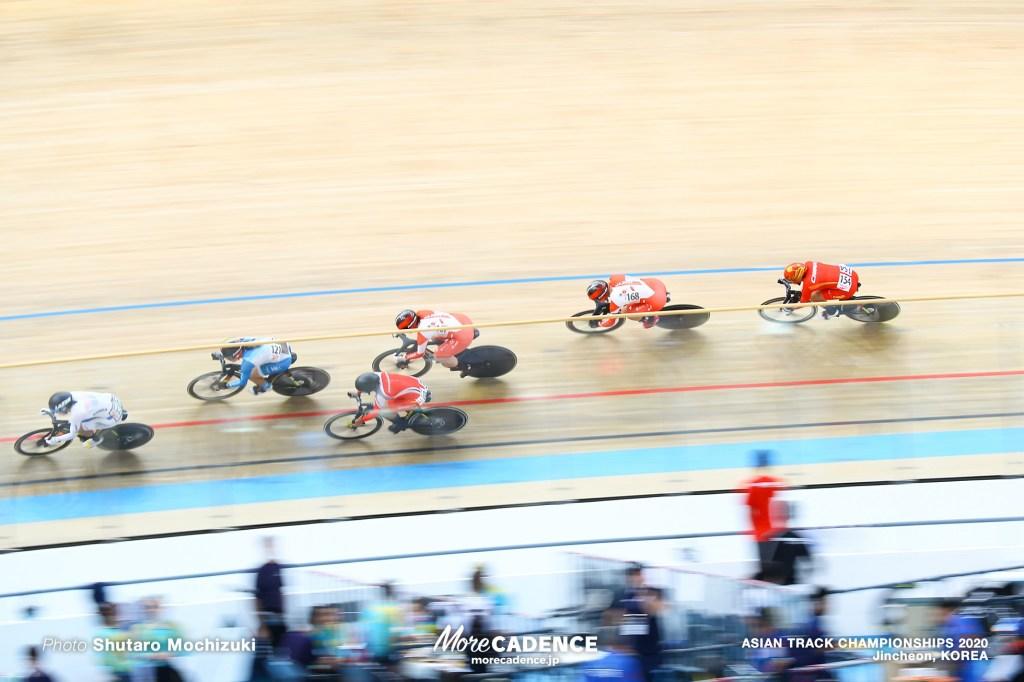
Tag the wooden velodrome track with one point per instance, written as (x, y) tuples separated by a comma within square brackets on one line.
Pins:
[(158, 152)]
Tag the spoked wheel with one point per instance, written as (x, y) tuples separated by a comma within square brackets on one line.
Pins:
[(592, 326), (31, 444), (786, 314), (389, 361), (301, 381), (340, 426), (683, 321), (438, 421), (871, 312), (486, 362), (126, 436), (212, 386)]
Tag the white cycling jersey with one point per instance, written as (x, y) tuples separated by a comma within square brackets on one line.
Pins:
[(91, 412)]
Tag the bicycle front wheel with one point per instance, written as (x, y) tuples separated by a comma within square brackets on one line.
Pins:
[(785, 314), (342, 426)]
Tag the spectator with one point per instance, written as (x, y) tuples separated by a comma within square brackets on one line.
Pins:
[(788, 551), (269, 599), (766, 659), (632, 604), (422, 622), (326, 639), (759, 492), (649, 646), (36, 674), (117, 663), (631, 599), (618, 661), (382, 625), (478, 609), (155, 629), (814, 629), (957, 626)]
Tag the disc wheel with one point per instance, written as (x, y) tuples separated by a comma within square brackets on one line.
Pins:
[(683, 321), (871, 313), (388, 361), (487, 362), (592, 326), (31, 444), (438, 421), (211, 386), (125, 437), (786, 314), (301, 381), (340, 426)]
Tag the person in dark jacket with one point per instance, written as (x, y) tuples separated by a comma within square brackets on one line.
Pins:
[(269, 597), (37, 674)]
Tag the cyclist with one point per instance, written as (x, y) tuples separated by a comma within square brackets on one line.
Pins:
[(262, 360), (626, 294), (87, 414), (823, 282), (449, 343), (395, 396)]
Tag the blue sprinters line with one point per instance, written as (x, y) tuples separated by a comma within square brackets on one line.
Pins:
[(667, 459), (472, 283)]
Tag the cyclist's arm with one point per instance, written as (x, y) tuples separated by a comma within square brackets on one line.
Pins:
[(809, 291), (421, 347), (246, 370), (73, 427)]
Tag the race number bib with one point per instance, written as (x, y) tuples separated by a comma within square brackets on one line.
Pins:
[(629, 293), (845, 277)]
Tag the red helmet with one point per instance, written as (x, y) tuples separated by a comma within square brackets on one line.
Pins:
[(794, 273), (598, 290), (407, 319)]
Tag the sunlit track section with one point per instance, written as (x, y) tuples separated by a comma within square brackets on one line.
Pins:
[(494, 445), (698, 311), (222, 300)]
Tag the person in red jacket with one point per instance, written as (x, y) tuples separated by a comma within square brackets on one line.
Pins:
[(758, 493), (626, 294), (823, 282), (395, 397)]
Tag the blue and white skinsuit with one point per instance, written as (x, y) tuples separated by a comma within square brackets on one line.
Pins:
[(272, 358)]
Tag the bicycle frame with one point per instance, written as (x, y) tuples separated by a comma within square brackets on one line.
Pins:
[(792, 295)]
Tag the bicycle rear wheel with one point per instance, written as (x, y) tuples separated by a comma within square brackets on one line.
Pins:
[(31, 444), (389, 362), (785, 314), (487, 362), (438, 421), (340, 426), (871, 313), (211, 386), (592, 326), (301, 381), (683, 321), (127, 436)]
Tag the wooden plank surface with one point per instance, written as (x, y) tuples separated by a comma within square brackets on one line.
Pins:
[(157, 152)]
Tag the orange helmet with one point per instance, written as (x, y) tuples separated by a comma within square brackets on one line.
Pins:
[(794, 273), (598, 290)]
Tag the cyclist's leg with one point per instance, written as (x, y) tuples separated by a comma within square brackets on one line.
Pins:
[(264, 374), (458, 341)]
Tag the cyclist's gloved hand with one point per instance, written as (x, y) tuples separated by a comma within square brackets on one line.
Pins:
[(353, 394)]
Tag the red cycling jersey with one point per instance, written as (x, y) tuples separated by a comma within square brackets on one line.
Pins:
[(450, 342), (833, 282), (636, 295), (399, 392)]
